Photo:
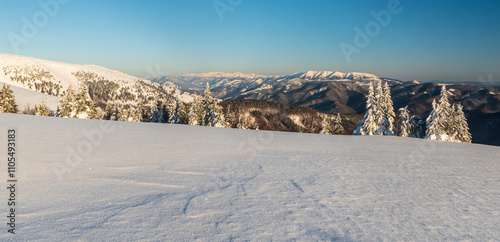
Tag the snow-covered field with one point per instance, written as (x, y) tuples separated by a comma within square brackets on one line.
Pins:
[(116, 181)]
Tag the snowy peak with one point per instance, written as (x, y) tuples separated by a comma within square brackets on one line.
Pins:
[(334, 75), (235, 75), (309, 75)]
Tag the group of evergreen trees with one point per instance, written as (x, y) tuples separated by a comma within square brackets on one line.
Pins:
[(379, 117), (205, 111), (34, 78), (446, 122), (266, 115), (77, 105), (332, 125)]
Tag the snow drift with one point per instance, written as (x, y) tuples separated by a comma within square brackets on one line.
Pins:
[(102, 180)]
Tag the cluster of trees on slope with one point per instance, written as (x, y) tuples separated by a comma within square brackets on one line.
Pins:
[(446, 122), (34, 78), (168, 109), (102, 90), (204, 110), (265, 115), (77, 105)]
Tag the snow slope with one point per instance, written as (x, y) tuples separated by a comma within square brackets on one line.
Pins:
[(62, 73), (26, 97), (141, 181), (60, 70)]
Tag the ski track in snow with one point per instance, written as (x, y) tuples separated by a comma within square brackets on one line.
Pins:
[(176, 182)]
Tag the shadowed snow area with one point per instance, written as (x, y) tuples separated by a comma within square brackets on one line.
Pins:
[(139, 181)]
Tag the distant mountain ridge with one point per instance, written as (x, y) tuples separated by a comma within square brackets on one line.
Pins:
[(194, 82), (312, 75)]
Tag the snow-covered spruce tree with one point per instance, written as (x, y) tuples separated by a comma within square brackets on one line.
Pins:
[(134, 114), (173, 108), (208, 118), (7, 100), (435, 124), (157, 112), (438, 123), (124, 114), (67, 103), (339, 129), (164, 110), (462, 129), (200, 109), (452, 124), (41, 109), (369, 124), (145, 111), (192, 116), (183, 113), (326, 124), (379, 111), (387, 110), (404, 127), (217, 120), (84, 106), (94, 112)]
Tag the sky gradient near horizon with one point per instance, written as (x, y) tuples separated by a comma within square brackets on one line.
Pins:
[(428, 40)]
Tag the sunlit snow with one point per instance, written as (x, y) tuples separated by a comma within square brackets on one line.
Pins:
[(119, 181)]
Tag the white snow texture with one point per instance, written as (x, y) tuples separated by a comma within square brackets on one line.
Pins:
[(163, 182)]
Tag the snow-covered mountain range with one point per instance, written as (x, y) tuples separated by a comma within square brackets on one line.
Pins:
[(53, 78), (253, 81)]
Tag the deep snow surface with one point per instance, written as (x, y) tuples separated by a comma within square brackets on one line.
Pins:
[(177, 182)]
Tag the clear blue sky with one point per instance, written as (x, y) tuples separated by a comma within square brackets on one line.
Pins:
[(429, 40)]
